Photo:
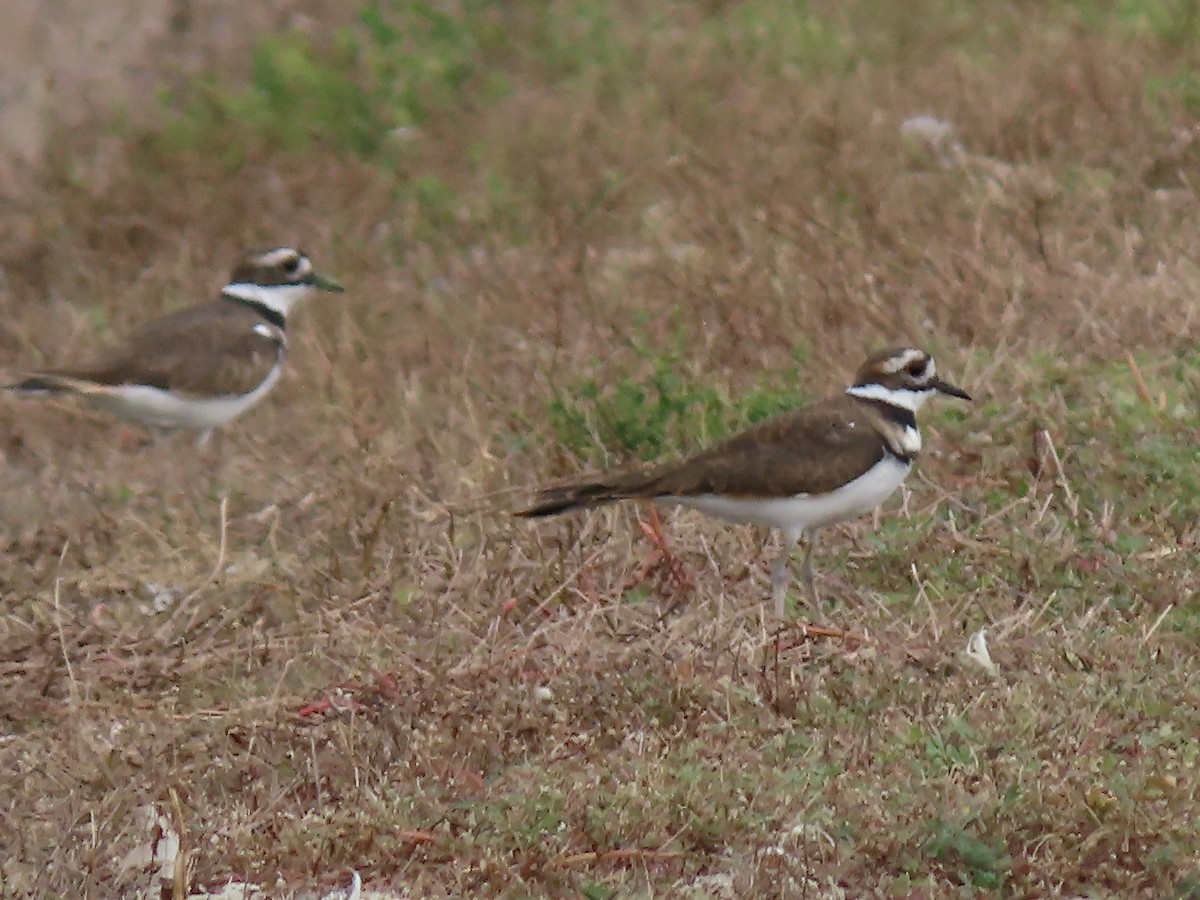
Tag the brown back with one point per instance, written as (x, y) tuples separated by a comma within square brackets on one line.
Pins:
[(214, 349), (808, 451)]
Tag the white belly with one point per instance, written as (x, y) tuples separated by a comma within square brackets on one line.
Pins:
[(804, 512), (163, 409)]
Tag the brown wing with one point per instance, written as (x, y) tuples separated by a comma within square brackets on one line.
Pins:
[(808, 451), (211, 350)]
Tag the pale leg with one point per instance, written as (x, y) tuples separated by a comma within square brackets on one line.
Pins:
[(779, 573), (202, 437), (806, 571)]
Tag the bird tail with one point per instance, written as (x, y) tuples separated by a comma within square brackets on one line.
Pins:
[(51, 383), (555, 499)]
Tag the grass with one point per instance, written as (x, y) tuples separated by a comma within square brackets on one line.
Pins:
[(648, 414), (608, 232)]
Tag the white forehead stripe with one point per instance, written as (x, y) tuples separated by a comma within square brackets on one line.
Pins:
[(281, 255), (902, 361)]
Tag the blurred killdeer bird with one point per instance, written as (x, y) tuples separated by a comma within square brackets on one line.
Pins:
[(202, 366), (796, 472)]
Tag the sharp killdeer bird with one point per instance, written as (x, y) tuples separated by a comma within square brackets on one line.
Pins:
[(796, 472), (202, 366)]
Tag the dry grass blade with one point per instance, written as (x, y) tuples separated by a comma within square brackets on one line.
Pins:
[(632, 854), (1045, 445), (321, 670), (170, 627)]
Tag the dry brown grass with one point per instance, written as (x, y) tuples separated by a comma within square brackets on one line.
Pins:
[(508, 715)]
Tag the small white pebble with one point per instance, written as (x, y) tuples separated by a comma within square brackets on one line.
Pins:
[(977, 651)]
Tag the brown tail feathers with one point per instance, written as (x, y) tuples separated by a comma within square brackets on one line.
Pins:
[(42, 384), (584, 494)]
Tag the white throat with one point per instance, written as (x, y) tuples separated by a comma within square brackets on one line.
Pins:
[(279, 298), (901, 397)]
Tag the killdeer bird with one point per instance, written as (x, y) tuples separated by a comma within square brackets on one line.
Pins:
[(796, 472), (203, 366)]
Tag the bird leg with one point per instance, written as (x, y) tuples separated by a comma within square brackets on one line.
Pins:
[(779, 572), (806, 571), (779, 582)]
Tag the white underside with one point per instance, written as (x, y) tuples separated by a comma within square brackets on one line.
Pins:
[(164, 409), (804, 513)]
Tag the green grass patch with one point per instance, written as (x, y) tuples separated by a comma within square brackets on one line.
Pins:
[(663, 408), (354, 91), (977, 863)]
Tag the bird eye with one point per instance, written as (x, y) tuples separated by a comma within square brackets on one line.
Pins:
[(291, 264), (916, 368)]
